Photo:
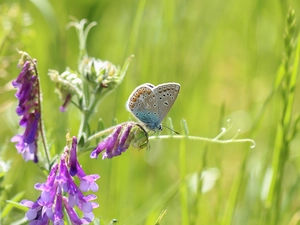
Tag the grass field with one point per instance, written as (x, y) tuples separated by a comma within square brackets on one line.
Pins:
[(235, 60)]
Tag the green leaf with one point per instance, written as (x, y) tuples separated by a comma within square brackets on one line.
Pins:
[(13, 203)]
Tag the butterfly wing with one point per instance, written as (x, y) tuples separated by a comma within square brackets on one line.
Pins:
[(166, 95), (143, 104)]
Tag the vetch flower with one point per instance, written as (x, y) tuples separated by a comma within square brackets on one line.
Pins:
[(99, 72), (87, 182), (123, 135), (93, 80), (60, 192), (28, 95), (103, 76), (68, 84)]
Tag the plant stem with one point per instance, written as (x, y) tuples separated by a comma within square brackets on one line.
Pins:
[(41, 127), (212, 140)]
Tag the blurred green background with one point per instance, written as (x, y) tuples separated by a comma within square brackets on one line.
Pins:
[(225, 55)]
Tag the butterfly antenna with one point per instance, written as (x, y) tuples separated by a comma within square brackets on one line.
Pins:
[(171, 129)]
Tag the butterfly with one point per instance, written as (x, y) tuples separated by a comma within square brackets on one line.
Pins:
[(150, 104)]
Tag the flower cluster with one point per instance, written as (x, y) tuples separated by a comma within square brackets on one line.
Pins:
[(102, 76), (29, 108), (123, 135), (94, 78), (99, 72), (60, 191), (67, 84)]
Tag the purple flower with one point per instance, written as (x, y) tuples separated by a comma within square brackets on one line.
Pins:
[(120, 139), (35, 213), (60, 192), (67, 100), (29, 109), (73, 157)]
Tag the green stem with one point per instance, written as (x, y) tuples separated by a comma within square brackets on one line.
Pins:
[(84, 111), (41, 127), (212, 140), (42, 130), (196, 138), (289, 91), (88, 111), (183, 184)]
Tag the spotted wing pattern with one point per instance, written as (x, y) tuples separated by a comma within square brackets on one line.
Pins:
[(166, 95), (142, 103), (150, 104)]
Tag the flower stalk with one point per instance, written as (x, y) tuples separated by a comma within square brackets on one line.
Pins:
[(92, 81), (29, 96)]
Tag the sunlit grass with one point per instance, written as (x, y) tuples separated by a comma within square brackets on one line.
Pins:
[(227, 56)]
